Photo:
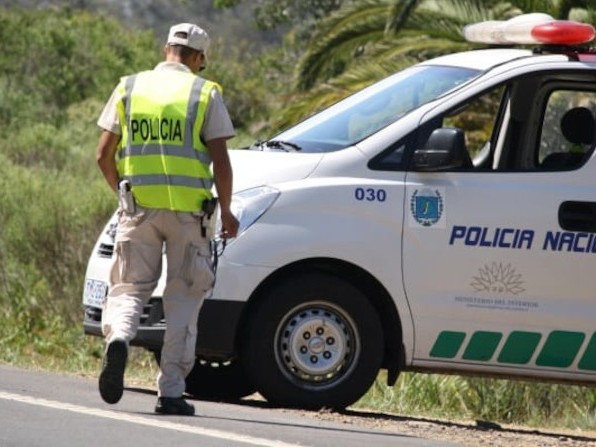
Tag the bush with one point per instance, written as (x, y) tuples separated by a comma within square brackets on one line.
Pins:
[(54, 200), (65, 58)]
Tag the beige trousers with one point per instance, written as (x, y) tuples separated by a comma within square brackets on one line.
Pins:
[(137, 267)]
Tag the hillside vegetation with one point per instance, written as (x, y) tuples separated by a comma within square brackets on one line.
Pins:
[(53, 201), (58, 68)]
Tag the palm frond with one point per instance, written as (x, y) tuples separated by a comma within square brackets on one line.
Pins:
[(370, 39), (340, 38), (399, 14)]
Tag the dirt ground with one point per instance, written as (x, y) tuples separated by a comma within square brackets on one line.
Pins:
[(477, 433)]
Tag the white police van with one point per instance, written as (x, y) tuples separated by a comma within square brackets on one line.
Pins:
[(440, 220)]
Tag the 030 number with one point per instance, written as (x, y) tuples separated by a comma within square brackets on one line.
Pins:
[(370, 194)]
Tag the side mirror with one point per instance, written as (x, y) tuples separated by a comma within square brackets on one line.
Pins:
[(444, 150)]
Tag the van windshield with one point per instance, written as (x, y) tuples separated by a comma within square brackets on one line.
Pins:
[(368, 111)]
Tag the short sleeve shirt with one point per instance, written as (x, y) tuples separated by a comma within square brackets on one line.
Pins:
[(217, 123)]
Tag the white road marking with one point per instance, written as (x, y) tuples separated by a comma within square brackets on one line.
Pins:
[(156, 423)]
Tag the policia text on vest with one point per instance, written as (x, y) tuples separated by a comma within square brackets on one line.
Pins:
[(156, 129)]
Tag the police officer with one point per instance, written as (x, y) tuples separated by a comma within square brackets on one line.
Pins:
[(162, 129)]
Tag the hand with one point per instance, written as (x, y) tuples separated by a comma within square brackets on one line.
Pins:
[(229, 225)]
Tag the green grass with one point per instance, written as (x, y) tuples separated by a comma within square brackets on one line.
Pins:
[(62, 348), (502, 401)]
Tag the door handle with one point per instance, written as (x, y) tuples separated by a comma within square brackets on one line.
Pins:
[(578, 216)]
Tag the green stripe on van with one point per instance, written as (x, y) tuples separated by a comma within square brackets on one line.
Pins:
[(482, 346), (447, 344), (560, 349), (519, 347), (588, 361)]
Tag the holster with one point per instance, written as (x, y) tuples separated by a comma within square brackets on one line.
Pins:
[(209, 218), (126, 199)]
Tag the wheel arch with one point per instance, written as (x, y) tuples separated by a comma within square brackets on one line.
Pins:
[(393, 359)]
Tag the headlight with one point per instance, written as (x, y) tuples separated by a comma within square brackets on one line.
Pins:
[(250, 204)]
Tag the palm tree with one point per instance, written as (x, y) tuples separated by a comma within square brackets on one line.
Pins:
[(368, 39)]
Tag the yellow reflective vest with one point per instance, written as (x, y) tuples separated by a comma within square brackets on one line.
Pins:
[(161, 152)]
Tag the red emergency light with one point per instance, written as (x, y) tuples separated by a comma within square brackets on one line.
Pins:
[(530, 29), (563, 32)]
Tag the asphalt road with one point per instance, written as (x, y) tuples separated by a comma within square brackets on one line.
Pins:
[(43, 409)]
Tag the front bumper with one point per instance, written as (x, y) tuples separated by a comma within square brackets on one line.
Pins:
[(217, 327)]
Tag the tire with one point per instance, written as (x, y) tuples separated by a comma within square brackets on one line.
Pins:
[(313, 341), (222, 382)]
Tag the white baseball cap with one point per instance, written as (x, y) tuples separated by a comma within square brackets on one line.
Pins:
[(197, 38)]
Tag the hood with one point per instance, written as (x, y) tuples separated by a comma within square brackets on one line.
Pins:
[(256, 168)]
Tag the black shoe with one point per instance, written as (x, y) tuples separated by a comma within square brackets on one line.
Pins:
[(174, 405), (111, 379)]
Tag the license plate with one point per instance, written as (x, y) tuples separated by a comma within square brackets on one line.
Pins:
[(95, 293)]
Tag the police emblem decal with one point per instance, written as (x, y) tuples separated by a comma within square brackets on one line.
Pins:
[(426, 206)]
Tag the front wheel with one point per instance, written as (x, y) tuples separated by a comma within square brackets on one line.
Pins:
[(313, 341)]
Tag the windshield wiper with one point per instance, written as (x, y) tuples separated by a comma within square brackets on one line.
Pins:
[(284, 145), (276, 144)]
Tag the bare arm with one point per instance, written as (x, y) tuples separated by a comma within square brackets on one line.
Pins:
[(106, 157), (222, 173)]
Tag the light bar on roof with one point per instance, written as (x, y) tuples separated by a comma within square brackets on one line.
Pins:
[(564, 32), (530, 29)]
